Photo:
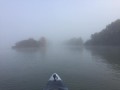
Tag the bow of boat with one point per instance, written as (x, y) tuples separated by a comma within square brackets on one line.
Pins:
[(55, 83)]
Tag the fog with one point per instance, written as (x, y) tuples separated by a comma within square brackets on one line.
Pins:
[(37, 40), (57, 20)]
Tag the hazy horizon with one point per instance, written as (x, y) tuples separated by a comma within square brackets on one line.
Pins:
[(56, 20), (82, 66)]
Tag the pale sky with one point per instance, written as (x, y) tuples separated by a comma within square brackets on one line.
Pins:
[(55, 19)]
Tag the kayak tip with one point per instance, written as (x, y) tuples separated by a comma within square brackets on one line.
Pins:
[(55, 83), (54, 76)]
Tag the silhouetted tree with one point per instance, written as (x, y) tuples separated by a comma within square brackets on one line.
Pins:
[(27, 43), (108, 36), (75, 41)]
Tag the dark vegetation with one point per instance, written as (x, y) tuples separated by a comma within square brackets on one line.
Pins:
[(110, 36), (75, 42), (30, 43)]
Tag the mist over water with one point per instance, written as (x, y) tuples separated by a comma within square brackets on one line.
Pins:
[(80, 68)]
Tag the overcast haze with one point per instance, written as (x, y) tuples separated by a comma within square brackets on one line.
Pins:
[(54, 19)]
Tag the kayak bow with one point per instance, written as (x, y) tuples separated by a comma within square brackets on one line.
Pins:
[(55, 83)]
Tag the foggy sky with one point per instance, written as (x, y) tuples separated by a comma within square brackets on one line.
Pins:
[(54, 19)]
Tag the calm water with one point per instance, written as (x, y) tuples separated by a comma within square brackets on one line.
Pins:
[(95, 68)]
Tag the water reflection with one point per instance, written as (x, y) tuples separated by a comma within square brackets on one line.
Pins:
[(43, 53), (111, 55), (75, 48), (32, 52), (27, 50), (77, 67)]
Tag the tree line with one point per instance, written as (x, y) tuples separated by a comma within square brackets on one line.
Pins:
[(110, 36)]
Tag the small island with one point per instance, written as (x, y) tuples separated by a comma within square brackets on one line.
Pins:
[(30, 43), (110, 36)]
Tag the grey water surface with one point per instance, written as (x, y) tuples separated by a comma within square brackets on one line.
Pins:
[(91, 68)]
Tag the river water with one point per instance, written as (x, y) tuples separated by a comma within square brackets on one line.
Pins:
[(91, 68)]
